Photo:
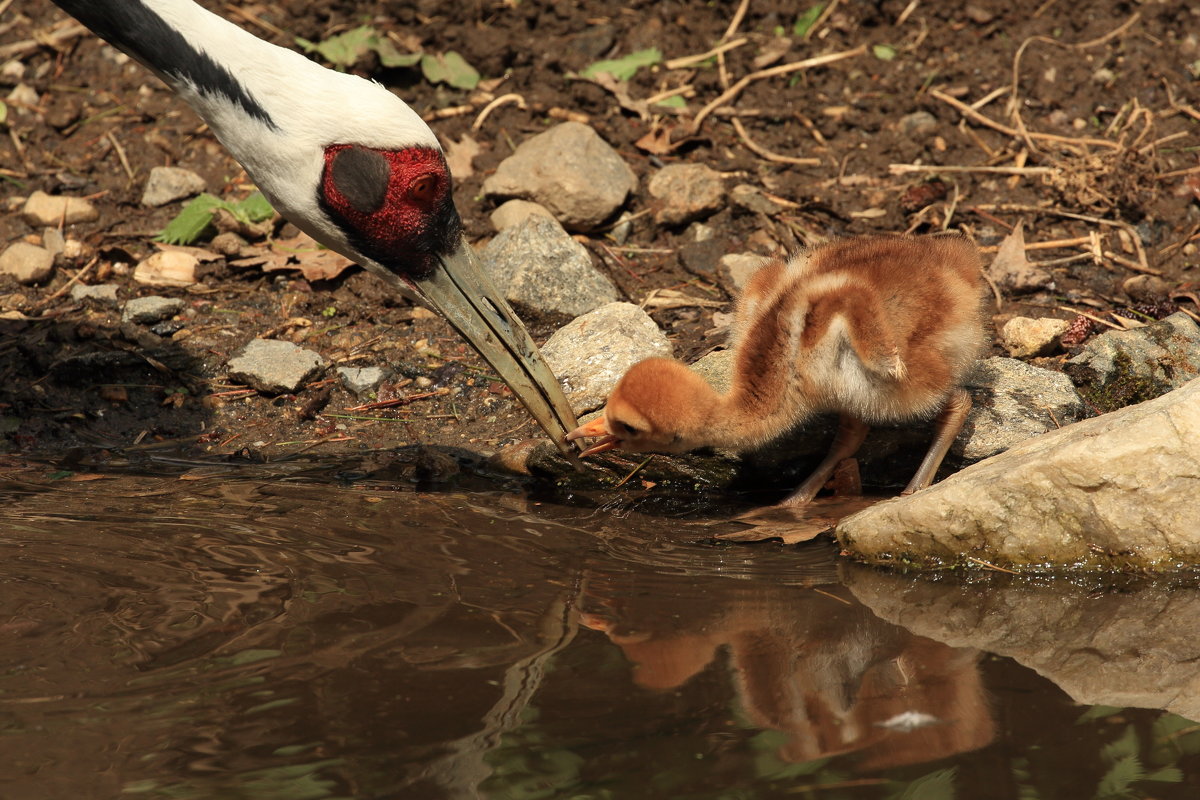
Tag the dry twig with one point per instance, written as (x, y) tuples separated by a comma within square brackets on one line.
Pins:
[(769, 155)]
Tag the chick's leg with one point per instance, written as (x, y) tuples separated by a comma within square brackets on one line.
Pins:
[(849, 437), (949, 423)]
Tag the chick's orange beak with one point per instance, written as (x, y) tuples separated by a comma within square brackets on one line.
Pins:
[(597, 427)]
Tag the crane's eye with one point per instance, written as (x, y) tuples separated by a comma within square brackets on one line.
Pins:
[(627, 429), (423, 188)]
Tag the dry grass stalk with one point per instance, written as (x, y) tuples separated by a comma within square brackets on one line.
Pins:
[(771, 72), (769, 155)]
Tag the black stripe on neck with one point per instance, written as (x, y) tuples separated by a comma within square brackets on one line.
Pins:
[(134, 28)]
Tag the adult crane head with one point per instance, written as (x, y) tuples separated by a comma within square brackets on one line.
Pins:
[(344, 160)]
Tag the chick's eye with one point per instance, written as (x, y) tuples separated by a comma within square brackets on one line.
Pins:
[(423, 188), (627, 429)]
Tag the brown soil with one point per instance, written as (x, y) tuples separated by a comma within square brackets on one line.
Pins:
[(1134, 87)]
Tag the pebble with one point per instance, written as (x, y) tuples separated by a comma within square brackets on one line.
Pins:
[(167, 268), (739, 267), (54, 241), (360, 381), (918, 124), (1013, 401), (152, 309), (512, 212), (102, 294), (43, 210), (752, 199), (168, 184), (1025, 337), (571, 171), (273, 366), (23, 95), (541, 268), (1119, 368), (27, 263), (590, 354), (1145, 288), (686, 192)]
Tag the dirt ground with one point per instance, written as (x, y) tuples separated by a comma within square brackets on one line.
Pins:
[(1126, 73)]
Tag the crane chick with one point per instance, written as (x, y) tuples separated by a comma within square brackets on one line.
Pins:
[(878, 329)]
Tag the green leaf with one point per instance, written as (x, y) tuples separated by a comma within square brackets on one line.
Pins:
[(254, 208), (1125, 746), (1120, 776), (449, 68), (884, 52), (190, 223), (344, 49), (1098, 712), (676, 101), (934, 786), (625, 68), (3, 112), (806, 20), (1166, 775)]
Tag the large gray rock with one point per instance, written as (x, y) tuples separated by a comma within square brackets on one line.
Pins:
[(274, 366), (571, 171), (1012, 401), (26, 263), (590, 354), (1120, 489), (1137, 647), (686, 192), (168, 184), (541, 268), (1118, 368)]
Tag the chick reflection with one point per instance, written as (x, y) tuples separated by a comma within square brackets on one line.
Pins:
[(806, 662)]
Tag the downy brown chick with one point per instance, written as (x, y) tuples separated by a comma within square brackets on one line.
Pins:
[(879, 329)]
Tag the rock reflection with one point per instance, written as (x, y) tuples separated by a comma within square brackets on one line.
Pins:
[(1122, 642), (807, 662)]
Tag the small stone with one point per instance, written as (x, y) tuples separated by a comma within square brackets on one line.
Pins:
[(541, 268), (23, 97), (1024, 337), (27, 263), (701, 258), (513, 212), (686, 192), (1103, 76), (44, 210), (740, 267), (102, 294), (752, 199), (978, 14), (149, 310), (168, 184), (273, 366), (590, 354), (228, 244), (571, 171), (54, 241), (1145, 288), (918, 125), (167, 268), (360, 381)]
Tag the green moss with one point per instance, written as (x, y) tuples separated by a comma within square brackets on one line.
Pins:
[(1126, 387)]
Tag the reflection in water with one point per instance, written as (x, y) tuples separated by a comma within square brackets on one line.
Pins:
[(272, 636), (814, 666)]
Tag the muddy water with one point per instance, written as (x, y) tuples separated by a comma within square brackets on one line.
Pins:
[(258, 633)]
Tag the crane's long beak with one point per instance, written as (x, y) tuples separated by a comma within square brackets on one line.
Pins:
[(465, 296)]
